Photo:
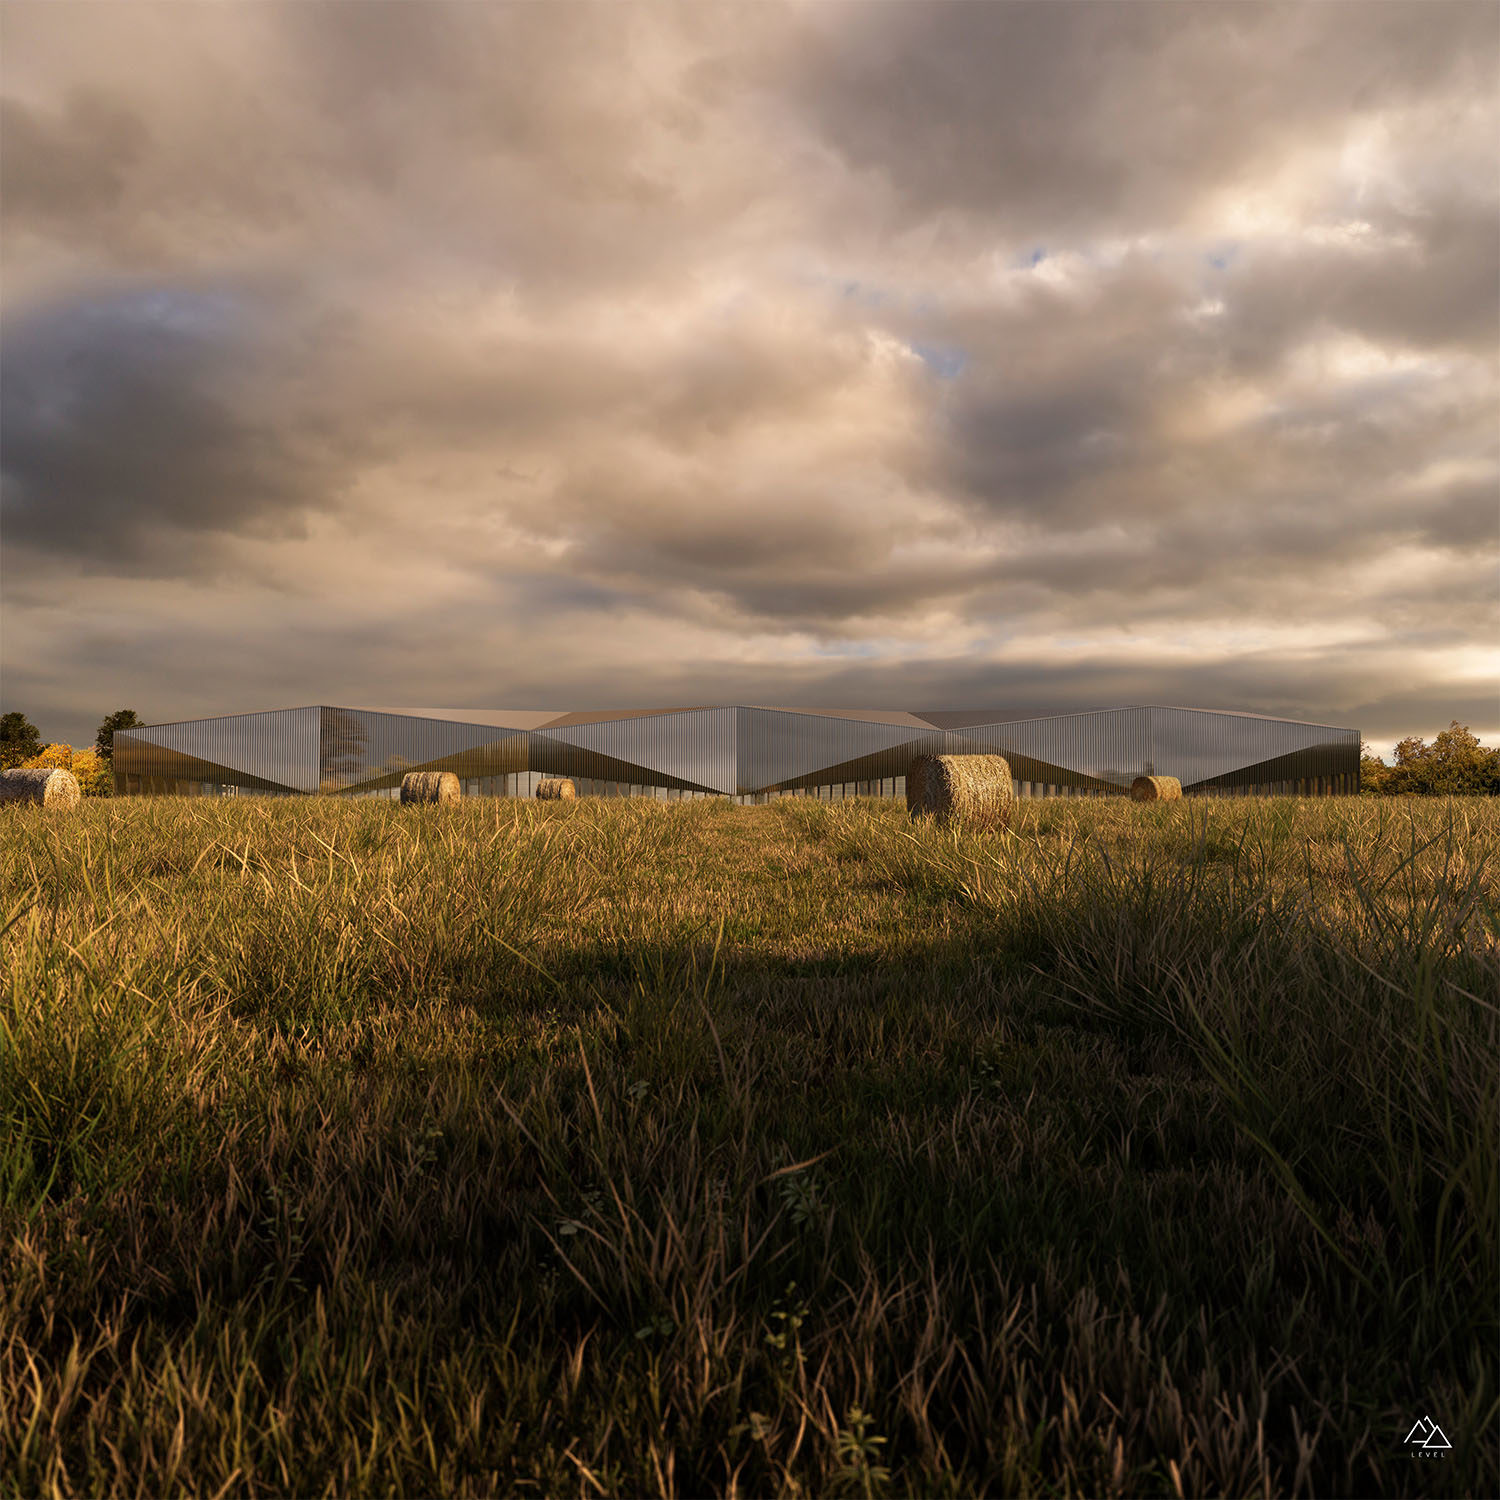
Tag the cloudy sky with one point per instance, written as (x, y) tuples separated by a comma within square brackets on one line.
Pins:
[(867, 355)]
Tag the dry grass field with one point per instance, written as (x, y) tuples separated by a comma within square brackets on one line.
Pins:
[(625, 1148)]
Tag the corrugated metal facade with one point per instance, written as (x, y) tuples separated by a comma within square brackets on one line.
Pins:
[(691, 750), (267, 752), (743, 752)]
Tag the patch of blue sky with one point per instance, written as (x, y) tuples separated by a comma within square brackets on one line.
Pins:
[(850, 650), (946, 364), (1221, 257), (1029, 258), (924, 305), (173, 309), (871, 296), (851, 289), (533, 594)]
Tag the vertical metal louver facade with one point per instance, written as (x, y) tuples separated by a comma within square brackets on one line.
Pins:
[(274, 752), (782, 750), (691, 750), (749, 753)]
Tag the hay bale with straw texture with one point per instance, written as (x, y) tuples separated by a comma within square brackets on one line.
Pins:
[(973, 787), (556, 789), (430, 786), (1156, 789), (43, 786)]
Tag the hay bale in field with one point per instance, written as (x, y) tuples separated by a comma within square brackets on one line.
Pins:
[(430, 786), (42, 786), (975, 787), (1156, 789), (556, 789)]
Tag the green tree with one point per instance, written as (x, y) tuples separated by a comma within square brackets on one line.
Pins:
[(1454, 764), (20, 739), (104, 741)]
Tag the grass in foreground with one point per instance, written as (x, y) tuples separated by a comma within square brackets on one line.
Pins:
[(634, 1148)]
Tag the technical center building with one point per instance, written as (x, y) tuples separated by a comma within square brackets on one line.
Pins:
[(747, 753)]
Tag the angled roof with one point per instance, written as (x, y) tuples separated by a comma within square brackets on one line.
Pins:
[(497, 718)]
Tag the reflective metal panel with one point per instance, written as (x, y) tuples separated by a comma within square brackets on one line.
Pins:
[(779, 748), (1100, 751), (744, 752), (1199, 747), (693, 749), (277, 750), (365, 749)]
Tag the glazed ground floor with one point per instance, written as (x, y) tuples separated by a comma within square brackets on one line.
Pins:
[(524, 784)]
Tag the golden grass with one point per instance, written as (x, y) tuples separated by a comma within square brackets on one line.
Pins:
[(648, 1148)]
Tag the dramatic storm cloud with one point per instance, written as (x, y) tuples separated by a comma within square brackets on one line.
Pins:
[(844, 354)]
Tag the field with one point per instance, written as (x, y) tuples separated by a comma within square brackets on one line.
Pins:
[(636, 1148)]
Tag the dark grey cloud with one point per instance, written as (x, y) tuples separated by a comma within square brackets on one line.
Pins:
[(1095, 117), (128, 431), (1437, 287), (1463, 517)]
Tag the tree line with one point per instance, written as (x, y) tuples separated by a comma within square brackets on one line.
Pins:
[(21, 745), (1454, 764)]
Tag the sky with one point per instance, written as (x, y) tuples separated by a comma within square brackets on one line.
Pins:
[(825, 354)]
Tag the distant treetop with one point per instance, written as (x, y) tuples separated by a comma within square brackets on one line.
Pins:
[(121, 718), (20, 739), (1454, 764)]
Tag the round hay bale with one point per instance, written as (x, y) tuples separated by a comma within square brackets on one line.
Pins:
[(1156, 789), (430, 786), (556, 789), (974, 787), (44, 786)]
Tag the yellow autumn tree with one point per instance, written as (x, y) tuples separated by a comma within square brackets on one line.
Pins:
[(95, 778), (51, 758)]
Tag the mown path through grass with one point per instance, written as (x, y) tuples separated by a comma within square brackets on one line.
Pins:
[(631, 1148)]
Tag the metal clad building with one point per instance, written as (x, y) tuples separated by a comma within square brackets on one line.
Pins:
[(748, 753)]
